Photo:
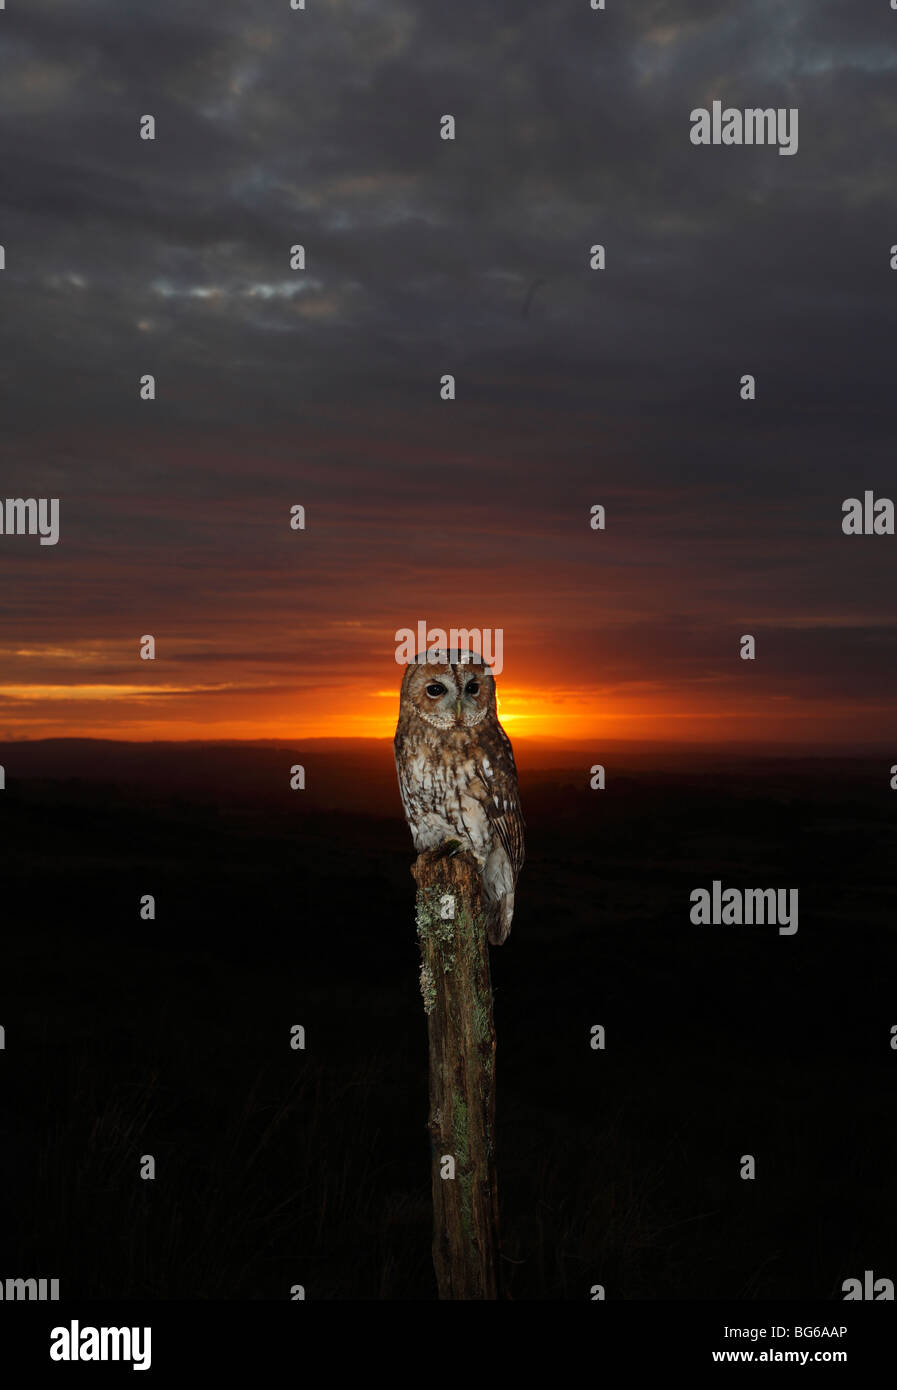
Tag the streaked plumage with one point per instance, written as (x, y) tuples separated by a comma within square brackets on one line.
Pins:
[(457, 775)]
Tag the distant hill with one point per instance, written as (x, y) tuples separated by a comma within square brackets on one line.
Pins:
[(359, 774)]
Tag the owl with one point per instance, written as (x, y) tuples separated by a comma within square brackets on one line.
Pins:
[(457, 776)]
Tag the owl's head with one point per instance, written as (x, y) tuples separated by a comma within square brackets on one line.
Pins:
[(457, 693)]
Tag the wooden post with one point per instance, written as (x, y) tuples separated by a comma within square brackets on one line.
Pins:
[(457, 993)]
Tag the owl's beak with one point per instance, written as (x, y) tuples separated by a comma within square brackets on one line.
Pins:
[(458, 709)]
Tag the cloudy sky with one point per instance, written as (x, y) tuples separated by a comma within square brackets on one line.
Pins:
[(320, 387)]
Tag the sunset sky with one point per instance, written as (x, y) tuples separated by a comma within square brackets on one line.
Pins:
[(277, 387)]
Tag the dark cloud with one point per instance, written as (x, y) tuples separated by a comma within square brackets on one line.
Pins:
[(322, 127)]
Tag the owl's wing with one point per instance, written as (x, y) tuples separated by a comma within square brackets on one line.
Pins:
[(501, 801), (410, 800)]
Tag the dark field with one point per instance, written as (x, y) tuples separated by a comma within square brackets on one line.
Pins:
[(277, 1167)]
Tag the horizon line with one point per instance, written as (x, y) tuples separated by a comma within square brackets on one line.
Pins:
[(756, 745)]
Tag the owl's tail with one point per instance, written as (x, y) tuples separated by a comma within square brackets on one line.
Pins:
[(498, 922), (498, 881)]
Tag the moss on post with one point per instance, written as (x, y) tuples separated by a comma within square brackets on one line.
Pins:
[(457, 992)]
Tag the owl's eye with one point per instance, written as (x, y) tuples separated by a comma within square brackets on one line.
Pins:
[(435, 690), (473, 688)]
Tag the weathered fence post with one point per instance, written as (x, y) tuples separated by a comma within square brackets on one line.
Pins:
[(457, 991)]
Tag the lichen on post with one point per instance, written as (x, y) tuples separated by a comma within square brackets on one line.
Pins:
[(457, 995)]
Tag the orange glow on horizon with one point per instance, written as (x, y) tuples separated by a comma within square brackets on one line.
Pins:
[(224, 711)]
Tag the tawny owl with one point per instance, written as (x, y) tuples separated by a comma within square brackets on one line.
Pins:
[(457, 775)]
